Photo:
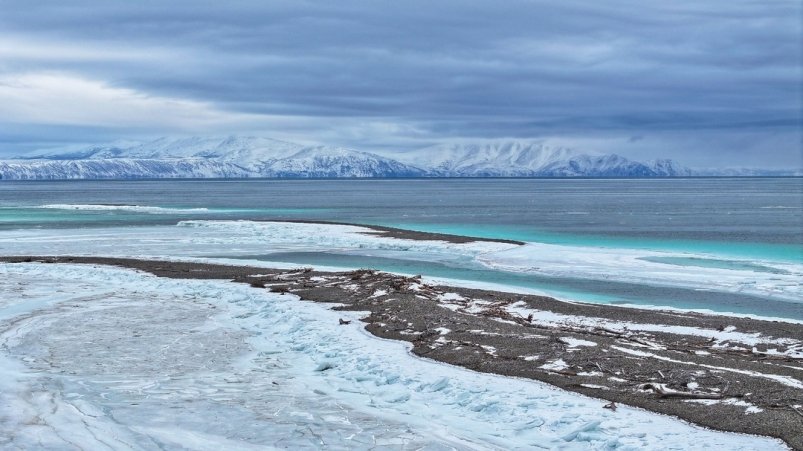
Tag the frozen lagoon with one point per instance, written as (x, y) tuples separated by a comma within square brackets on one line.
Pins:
[(107, 358)]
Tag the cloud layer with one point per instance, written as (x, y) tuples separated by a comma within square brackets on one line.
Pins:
[(709, 83)]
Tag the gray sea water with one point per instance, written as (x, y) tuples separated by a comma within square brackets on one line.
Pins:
[(737, 223)]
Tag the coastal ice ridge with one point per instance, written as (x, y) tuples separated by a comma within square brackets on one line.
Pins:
[(129, 360)]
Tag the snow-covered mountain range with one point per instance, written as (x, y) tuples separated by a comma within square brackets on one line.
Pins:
[(239, 156), (531, 159)]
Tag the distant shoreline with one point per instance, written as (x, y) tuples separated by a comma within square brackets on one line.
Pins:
[(147, 179)]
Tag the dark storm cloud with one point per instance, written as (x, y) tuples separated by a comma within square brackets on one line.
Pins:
[(386, 74)]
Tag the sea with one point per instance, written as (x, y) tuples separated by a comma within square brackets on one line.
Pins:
[(728, 245)]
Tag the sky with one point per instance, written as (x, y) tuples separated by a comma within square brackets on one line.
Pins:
[(709, 84)]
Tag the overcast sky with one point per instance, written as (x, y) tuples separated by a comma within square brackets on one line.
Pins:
[(711, 83)]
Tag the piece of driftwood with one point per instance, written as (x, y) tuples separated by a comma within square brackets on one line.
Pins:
[(662, 392)]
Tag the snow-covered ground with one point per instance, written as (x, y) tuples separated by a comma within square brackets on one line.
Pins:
[(107, 358)]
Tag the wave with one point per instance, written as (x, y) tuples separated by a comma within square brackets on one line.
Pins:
[(124, 207)]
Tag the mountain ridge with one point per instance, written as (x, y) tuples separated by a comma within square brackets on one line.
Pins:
[(249, 156)]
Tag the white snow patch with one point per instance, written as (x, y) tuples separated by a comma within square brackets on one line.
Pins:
[(450, 297), (591, 374), (555, 365), (576, 342), (482, 332), (749, 408), (489, 349)]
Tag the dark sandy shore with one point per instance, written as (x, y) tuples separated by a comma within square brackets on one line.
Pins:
[(706, 369)]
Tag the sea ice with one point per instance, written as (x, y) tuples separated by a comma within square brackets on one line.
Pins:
[(108, 358), (204, 238)]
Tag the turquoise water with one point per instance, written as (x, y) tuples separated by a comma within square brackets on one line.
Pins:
[(15, 217), (599, 291), (745, 225), (788, 252), (731, 213)]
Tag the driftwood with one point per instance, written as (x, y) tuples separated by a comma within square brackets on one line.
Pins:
[(664, 393)]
